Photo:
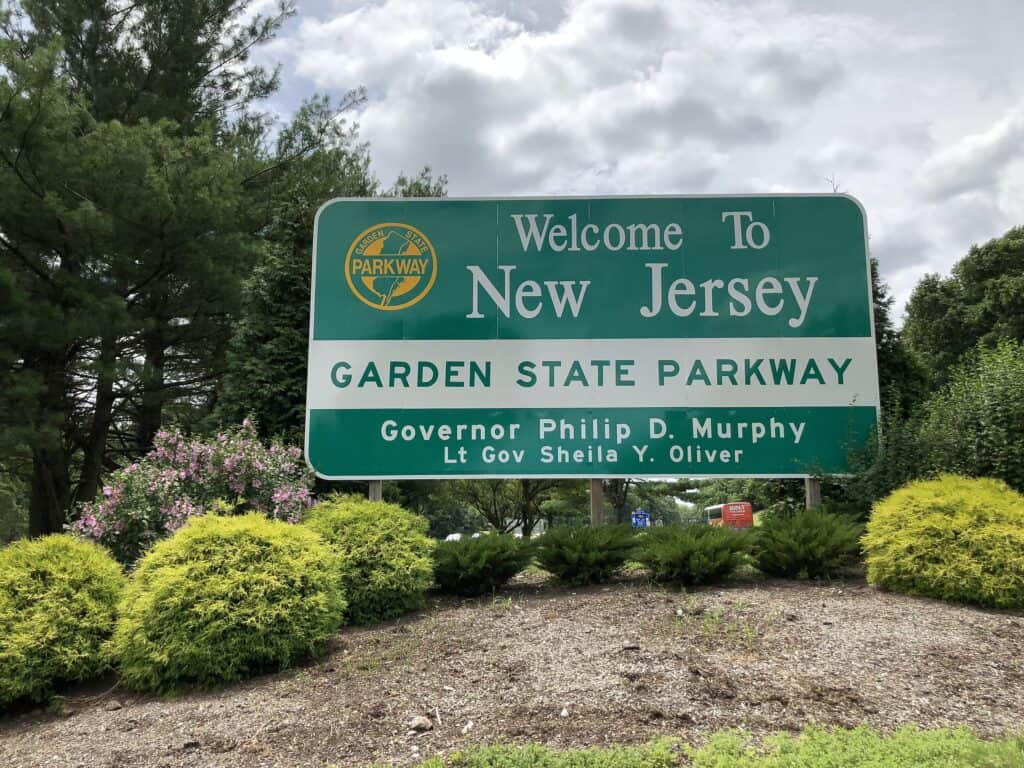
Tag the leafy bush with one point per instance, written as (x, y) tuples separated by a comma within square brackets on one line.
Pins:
[(473, 567), (810, 544), (384, 555), (951, 538), (181, 478), (693, 554), (584, 555), (861, 747), (975, 425), (224, 598), (658, 754), (58, 599)]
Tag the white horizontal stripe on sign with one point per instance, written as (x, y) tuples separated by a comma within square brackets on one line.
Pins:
[(671, 373)]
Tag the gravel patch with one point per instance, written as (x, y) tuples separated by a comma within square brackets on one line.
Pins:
[(616, 664)]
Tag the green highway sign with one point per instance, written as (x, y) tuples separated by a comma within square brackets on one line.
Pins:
[(590, 337)]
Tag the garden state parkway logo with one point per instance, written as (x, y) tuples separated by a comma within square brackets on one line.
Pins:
[(391, 266)]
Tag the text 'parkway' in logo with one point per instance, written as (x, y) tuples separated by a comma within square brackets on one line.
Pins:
[(391, 266)]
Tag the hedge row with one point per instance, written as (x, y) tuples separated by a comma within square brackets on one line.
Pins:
[(951, 538), (224, 598), (810, 544)]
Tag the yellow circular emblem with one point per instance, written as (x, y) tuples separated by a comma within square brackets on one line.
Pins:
[(391, 266)]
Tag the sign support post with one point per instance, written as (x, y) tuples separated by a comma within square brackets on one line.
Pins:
[(596, 501), (376, 490), (812, 492)]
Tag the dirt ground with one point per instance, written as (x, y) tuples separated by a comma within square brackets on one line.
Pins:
[(618, 664)]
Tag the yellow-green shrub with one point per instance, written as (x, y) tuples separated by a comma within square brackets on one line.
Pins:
[(223, 598), (384, 555), (952, 538), (58, 600)]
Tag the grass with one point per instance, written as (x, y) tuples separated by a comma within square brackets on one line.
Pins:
[(502, 603), (908, 747), (396, 651), (727, 628)]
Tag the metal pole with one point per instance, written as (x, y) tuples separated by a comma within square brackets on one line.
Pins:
[(812, 492), (596, 501), (376, 491)]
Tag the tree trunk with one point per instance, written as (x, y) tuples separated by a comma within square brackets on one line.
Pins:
[(618, 490), (50, 489), (49, 498), (95, 447), (153, 390)]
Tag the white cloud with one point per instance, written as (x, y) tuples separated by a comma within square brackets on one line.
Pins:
[(617, 86), (974, 163), (918, 115)]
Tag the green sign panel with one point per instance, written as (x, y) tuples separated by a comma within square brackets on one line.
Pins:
[(590, 337)]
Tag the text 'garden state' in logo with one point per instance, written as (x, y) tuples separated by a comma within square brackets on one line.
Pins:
[(391, 266)]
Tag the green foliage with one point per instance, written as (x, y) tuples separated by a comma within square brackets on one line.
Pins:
[(975, 425), (423, 184), (224, 598), (432, 500), (658, 754), (902, 378), (891, 458), (13, 508), (58, 600), (809, 544), (861, 747), (384, 555), (951, 538), (265, 375), (568, 504), (266, 371), (506, 504), (584, 555), (982, 302), (477, 566), (123, 245), (693, 554)]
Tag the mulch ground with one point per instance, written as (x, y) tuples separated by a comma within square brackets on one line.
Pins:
[(603, 665)]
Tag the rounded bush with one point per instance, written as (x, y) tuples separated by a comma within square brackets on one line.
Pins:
[(809, 544), (582, 555), (951, 538), (472, 567), (693, 554), (384, 555), (58, 603), (224, 598)]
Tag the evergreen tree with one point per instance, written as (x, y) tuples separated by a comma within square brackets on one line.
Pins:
[(266, 377), (126, 219), (902, 379)]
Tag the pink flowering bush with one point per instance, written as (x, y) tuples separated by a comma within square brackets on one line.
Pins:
[(184, 477)]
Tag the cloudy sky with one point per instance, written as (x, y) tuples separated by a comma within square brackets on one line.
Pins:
[(916, 107)]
